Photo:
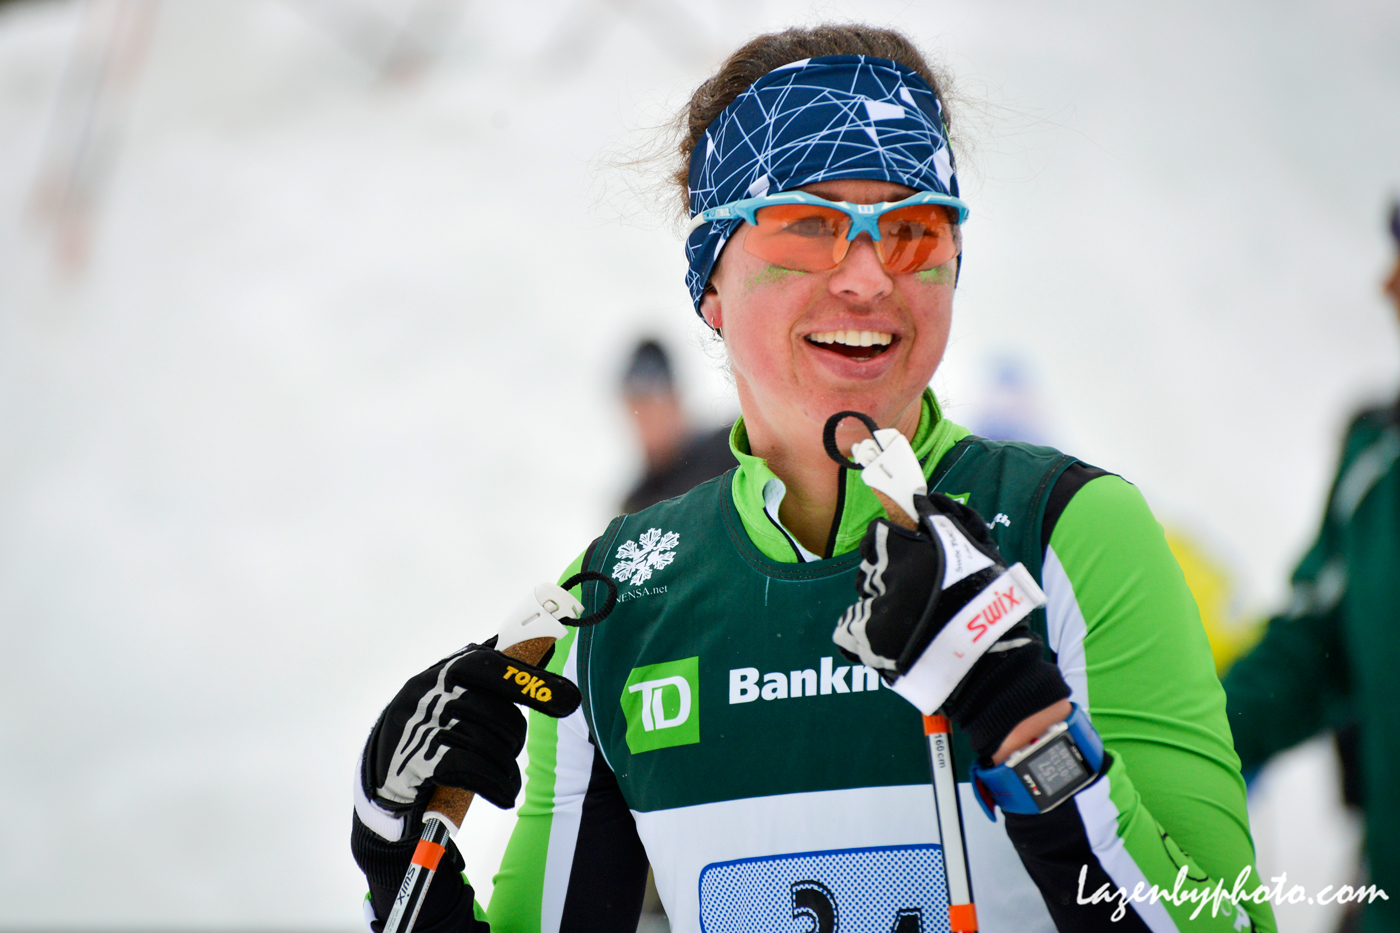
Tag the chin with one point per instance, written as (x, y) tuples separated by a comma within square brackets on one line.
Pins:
[(882, 406)]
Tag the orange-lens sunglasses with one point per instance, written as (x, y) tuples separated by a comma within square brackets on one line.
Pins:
[(797, 230)]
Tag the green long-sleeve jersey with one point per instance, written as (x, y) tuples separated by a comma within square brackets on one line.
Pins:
[(1333, 653), (724, 741)]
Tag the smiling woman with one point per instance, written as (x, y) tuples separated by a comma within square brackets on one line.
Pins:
[(854, 336), (823, 249)]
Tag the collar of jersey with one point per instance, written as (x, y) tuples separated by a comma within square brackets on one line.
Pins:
[(757, 491)]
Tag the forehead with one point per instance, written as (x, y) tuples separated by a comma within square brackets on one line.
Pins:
[(859, 190)]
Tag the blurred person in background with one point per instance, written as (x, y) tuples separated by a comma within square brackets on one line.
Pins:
[(1330, 660), (678, 458), (824, 247), (1010, 407)]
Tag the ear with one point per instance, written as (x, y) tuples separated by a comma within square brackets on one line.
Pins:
[(711, 310)]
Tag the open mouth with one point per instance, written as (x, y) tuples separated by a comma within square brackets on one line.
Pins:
[(854, 344)]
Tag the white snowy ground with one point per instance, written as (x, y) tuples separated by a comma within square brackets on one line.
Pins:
[(321, 406)]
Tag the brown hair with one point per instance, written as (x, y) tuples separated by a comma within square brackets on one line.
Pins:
[(764, 53)]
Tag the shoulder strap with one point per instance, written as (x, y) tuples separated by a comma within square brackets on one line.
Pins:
[(1033, 548), (1019, 478), (1073, 479)]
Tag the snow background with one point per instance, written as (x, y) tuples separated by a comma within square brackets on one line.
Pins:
[(318, 409)]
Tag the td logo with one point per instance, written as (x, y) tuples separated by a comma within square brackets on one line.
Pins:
[(662, 705)]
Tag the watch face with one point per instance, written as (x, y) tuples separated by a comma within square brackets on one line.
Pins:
[(1053, 771), (1056, 768)]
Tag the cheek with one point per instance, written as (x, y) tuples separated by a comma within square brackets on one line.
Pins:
[(758, 300), (934, 314), (753, 343), (938, 275), (946, 274), (757, 337)]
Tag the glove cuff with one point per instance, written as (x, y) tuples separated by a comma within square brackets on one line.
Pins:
[(384, 862), (1004, 688), (387, 823), (448, 904)]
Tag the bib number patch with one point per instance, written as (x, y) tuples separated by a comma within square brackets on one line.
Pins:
[(889, 889)]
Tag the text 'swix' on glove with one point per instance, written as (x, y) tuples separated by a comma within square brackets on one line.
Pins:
[(942, 618)]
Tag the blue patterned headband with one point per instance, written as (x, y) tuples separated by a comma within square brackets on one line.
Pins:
[(838, 116)]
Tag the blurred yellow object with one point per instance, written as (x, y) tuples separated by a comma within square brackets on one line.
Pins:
[(1209, 581)]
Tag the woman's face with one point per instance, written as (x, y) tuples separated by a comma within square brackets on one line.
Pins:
[(789, 333)]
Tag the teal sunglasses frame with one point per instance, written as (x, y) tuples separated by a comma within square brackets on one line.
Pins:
[(865, 218)]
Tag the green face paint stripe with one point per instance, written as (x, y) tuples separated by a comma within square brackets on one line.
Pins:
[(519, 884), (1136, 607), (771, 276)]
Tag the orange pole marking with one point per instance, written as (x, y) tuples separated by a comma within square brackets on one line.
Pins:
[(428, 854), (934, 724), (962, 918)]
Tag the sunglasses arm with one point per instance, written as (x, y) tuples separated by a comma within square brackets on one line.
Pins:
[(727, 212)]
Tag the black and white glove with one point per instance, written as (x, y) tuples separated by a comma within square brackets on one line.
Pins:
[(942, 619), (455, 725)]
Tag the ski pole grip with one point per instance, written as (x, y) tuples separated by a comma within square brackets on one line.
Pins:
[(897, 514), (452, 802)]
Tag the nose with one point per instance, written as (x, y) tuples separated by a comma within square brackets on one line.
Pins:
[(861, 277)]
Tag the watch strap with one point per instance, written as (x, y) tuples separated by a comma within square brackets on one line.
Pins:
[(1001, 786)]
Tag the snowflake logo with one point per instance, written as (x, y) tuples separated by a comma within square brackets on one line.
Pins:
[(639, 559)]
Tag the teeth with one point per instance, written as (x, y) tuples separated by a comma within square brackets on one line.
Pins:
[(853, 338)]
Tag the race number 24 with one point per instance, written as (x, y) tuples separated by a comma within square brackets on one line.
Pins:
[(889, 889)]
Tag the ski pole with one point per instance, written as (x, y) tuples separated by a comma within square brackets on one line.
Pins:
[(962, 912), (528, 634)]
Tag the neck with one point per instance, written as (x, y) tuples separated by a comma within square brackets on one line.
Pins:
[(794, 451)]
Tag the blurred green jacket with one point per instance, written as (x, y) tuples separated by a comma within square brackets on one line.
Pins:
[(1335, 654)]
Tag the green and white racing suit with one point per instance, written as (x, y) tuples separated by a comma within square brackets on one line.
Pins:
[(726, 742)]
